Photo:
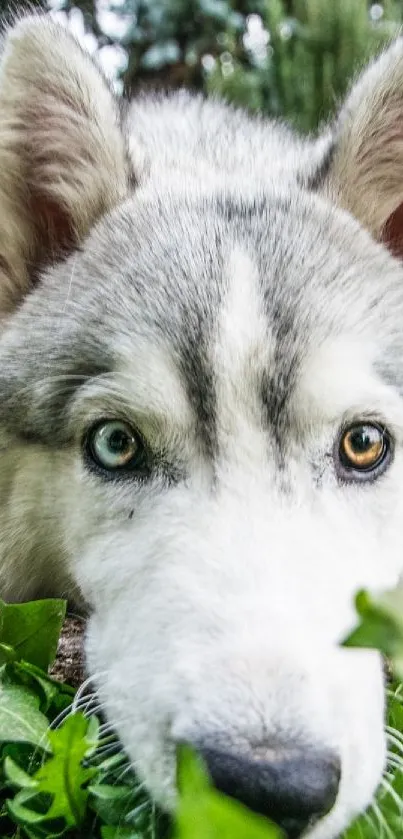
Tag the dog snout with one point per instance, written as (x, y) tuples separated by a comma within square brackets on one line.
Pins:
[(292, 788)]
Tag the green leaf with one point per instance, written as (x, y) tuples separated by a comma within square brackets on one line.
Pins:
[(32, 631), (38, 832), (119, 833), (108, 792), (54, 696), (92, 735), (21, 812), (56, 791), (204, 813), (7, 653), (111, 803), (17, 776), (381, 625), (20, 717), (63, 776), (192, 778)]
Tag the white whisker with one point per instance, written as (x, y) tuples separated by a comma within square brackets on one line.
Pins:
[(384, 827), (396, 798)]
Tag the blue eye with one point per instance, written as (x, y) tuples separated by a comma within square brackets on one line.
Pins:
[(114, 445)]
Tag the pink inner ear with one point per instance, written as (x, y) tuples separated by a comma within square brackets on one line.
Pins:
[(392, 233), (54, 231)]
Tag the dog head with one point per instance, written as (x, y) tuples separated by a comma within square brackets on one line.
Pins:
[(202, 417)]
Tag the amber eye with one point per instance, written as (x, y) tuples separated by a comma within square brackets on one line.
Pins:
[(364, 447)]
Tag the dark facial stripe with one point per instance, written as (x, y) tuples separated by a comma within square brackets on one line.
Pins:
[(316, 180), (40, 416), (200, 387)]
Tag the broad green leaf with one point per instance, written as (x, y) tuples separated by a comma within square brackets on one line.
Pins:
[(381, 625), (32, 630), (192, 778), (20, 717), (54, 696), (204, 813)]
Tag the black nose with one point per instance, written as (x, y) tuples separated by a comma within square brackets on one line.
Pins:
[(292, 788)]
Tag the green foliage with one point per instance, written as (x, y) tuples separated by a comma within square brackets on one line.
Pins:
[(32, 633), (381, 626), (290, 59), (315, 48), (58, 776), (386, 818), (21, 721), (62, 778)]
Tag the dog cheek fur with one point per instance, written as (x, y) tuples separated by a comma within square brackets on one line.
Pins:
[(35, 486)]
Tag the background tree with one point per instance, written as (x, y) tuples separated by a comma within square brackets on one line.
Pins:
[(288, 58)]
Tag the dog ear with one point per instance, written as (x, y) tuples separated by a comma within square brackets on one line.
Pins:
[(62, 155), (366, 166)]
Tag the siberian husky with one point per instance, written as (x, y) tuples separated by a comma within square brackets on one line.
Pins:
[(201, 411)]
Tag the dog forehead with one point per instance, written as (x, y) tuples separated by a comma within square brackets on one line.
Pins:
[(217, 365), (244, 291), (234, 290)]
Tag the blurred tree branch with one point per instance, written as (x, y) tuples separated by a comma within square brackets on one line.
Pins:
[(287, 58)]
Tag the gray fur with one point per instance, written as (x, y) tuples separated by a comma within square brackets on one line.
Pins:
[(170, 284)]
